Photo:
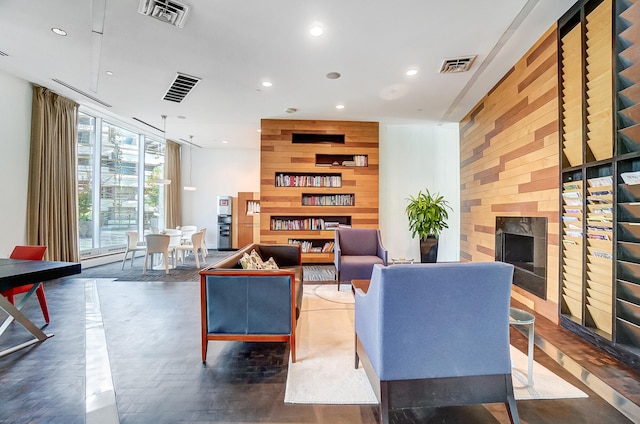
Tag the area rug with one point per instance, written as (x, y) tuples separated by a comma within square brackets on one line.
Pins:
[(324, 372), (319, 273), (186, 271)]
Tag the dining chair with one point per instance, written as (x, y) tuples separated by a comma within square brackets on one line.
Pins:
[(205, 249), (175, 241), (187, 231), (157, 243), (194, 246), (133, 246), (34, 253)]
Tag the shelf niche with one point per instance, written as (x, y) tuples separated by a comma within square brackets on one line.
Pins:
[(328, 199), (306, 179), (341, 160), (320, 245), (309, 223), (317, 138)]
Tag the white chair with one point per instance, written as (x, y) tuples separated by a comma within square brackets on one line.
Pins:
[(133, 246), (175, 241), (187, 232), (195, 246), (157, 243), (205, 249)]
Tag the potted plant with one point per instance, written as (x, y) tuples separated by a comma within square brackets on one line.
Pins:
[(428, 214)]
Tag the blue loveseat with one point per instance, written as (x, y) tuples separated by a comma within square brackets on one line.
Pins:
[(252, 305), (436, 334)]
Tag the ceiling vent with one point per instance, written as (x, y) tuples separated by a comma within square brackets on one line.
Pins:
[(169, 11), (456, 64), (3, 54), (181, 86)]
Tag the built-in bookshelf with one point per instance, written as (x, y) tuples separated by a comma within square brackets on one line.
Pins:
[(305, 223), (296, 179), (329, 199), (299, 202), (248, 219), (315, 245), (341, 160)]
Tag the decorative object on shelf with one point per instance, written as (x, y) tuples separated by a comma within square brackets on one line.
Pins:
[(428, 216), (163, 181)]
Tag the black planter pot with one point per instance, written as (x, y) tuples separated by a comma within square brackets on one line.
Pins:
[(429, 249)]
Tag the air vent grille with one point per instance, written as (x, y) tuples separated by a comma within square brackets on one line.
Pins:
[(181, 86), (456, 64), (3, 53), (87, 95), (169, 11)]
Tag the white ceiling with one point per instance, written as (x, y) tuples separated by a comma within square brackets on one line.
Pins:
[(235, 45)]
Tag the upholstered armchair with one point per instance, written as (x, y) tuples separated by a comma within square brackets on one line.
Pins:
[(431, 335), (356, 250)]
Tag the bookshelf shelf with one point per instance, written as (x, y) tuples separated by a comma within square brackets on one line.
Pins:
[(298, 179), (341, 160), (328, 199)]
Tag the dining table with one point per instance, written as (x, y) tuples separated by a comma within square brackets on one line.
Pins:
[(20, 272)]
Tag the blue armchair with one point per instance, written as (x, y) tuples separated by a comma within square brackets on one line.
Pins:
[(431, 335), (356, 250)]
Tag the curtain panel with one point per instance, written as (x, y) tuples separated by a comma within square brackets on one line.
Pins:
[(52, 206), (173, 194)]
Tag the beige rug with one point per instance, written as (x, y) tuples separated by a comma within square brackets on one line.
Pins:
[(324, 372)]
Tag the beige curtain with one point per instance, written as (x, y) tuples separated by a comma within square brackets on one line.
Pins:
[(173, 194), (52, 211)]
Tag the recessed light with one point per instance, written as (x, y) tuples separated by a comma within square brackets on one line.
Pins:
[(109, 73), (316, 29), (59, 31), (224, 141), (267, 83), (291, 110), (412, 72), (181, 117), (339, 106), (333, 75)]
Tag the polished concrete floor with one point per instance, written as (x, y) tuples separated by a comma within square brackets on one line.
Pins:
[(129, 352)]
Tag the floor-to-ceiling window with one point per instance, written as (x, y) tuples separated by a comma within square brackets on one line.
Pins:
[(117, 168)]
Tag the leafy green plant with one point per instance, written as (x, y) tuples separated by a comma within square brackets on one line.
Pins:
[(84, 205), (427, 214)]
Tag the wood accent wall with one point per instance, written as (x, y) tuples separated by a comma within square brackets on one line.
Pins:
[(279, 155), (509, 154)]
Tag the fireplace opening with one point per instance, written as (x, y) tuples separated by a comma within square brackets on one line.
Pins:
[(518, 250), (522, 242)]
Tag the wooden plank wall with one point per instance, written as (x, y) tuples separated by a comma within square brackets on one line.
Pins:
[(509, 153), (279, 154)]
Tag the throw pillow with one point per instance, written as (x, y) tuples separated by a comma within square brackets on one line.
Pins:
[(270, 264), (244, 261)]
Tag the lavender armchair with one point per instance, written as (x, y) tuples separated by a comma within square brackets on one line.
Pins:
[(431, 335), (356, 250)]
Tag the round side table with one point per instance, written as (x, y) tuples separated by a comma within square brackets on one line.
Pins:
[(520, 317), (397, 261)]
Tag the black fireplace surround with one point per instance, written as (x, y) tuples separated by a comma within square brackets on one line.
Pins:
[(522, 242)]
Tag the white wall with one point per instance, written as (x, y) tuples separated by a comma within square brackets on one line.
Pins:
[(411, 158), (217, 172), (15, 133), (415, 157)]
